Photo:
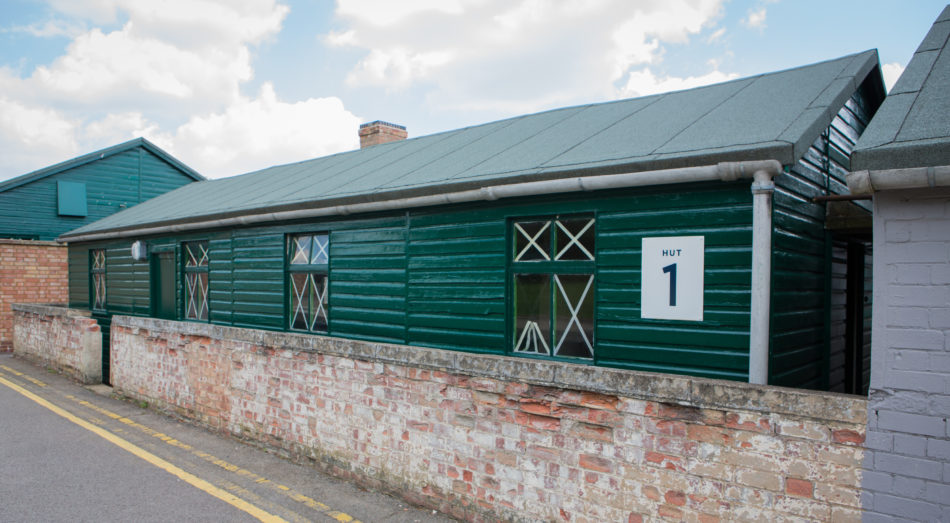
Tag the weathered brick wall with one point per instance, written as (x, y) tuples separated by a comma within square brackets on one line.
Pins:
[(30, 272), (67, 340), (908, 458), (487, 437)]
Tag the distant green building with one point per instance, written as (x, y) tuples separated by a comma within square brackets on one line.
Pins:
[(44, 204), (673, 233)]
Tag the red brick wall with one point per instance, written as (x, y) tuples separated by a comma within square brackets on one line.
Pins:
[(64, 339), (486, 437), (30, 272)]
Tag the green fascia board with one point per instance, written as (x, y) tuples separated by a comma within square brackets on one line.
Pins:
[(99, 155), (768, 116), (911, 129)]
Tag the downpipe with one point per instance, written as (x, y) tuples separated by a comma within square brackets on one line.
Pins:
[(761, 307)]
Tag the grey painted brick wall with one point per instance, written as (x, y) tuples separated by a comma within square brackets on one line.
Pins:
[(907, 463)]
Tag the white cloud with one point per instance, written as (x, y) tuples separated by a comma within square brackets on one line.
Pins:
[(396, 68), (756, 18), (185, 21), (116, 127), (176, 57), (504, 55), (32, 137), (388, 13), (643, 82), (716, 35), (891, 72), (254, 133), (173, 71), (158, 65), (49, 28)]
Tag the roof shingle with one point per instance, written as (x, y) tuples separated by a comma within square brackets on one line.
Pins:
[(912, 127)]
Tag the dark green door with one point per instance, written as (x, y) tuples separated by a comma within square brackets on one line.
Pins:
[(163, 285)]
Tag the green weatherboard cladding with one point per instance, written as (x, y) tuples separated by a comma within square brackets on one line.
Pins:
[(91, 187), (443, 276), (437, 277), (801, 257)]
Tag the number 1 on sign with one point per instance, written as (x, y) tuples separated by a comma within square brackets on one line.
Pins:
[(671, 270)]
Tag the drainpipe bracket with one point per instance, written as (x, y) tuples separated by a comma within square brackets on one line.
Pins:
[(763, 186)]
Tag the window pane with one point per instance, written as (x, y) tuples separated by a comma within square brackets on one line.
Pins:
[(99, 284), (196, 295), (532, 241), (532, 313), (203, 294), (196, 254), (575, 239), (191, 259), (191, 289), (574, 315), (319, 253), (308, 301), (300, 249), (298, 303), (318, 303), (98, 276)]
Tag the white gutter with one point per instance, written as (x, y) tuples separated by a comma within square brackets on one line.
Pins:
[(762, 171), (725, 171), (867, 182)]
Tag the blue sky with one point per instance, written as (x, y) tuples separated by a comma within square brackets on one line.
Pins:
[(231, 87)]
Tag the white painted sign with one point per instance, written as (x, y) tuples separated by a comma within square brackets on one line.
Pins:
[(672, 283)]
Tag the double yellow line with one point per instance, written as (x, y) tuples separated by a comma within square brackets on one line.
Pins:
[(191, 479)]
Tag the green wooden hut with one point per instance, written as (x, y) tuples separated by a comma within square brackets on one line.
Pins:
[(672, 233), (43, 204)]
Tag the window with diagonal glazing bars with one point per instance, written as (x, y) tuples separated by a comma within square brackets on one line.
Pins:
[(97, 273), (552, 286), (308, 281), (195, 279)]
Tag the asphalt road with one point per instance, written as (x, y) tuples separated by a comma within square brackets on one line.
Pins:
[(70, 454)]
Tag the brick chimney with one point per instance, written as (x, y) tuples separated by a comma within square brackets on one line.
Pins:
[(375, 133)]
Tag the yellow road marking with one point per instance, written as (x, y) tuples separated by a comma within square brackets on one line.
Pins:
[(300, 498), (34, 381), (193, 480), (24, 376)]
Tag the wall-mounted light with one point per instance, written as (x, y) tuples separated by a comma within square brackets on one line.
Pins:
[(139, 250)]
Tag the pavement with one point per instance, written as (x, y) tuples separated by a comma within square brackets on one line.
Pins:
[(76, 453)]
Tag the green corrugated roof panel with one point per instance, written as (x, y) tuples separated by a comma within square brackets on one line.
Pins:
[(768, 116), (912, 129)]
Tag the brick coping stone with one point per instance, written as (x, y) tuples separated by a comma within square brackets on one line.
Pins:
[(666, 388), (50, 310), (34, 243)]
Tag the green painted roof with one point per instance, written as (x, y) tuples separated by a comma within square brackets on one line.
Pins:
[(912, 126), (770, 116), (98, 155)]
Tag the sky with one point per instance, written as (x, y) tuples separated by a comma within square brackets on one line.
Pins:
[(232, 86)]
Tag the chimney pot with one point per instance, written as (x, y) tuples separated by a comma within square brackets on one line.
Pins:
[(375, 133)]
